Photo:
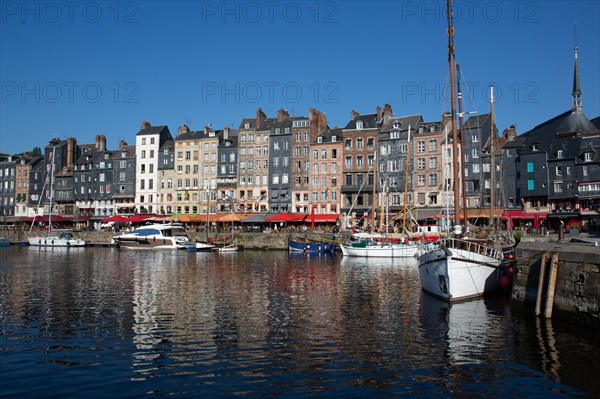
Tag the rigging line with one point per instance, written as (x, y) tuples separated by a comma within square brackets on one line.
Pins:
[(470, 95), (45, 178)]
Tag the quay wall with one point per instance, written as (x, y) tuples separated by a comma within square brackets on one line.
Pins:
[(577, 290), (256, 240)]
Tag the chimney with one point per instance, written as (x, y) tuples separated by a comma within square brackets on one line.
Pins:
[(510, 133), (183, 129), (71, 145), (378, 114), (260, 116), (318, 121), (122, 144), (226, 131), (282, 114), (353, 114), (145, 125), (206, 129), (100, 142), (387, 113)]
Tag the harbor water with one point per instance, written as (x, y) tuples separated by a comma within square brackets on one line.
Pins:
[(103, 322)]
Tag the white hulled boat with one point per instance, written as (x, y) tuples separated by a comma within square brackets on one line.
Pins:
[(373, 249), (155, 236), (458, 268), (50, 239)]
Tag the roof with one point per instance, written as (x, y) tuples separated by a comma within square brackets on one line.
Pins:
[(596, 122), (369, 122), (545, 133), (403, 123), (152, 130), (475, 122)]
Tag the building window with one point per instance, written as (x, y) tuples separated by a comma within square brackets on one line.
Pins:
[(432, 145), (474, 138), (359, 125), (348, 161), (558, 171), (559, 154), (558, 187), (421, 146), (433, 180), (529, 167), (530, 184), (587, 157), (475, 153), (421, 180)]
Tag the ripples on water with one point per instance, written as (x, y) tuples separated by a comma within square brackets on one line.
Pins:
[(122, 323)]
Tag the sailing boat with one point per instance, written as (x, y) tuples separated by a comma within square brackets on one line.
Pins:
[(64, 239), (383, 248), (459, 268)]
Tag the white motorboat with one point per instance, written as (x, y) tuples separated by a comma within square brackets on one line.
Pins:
[(155, 236)]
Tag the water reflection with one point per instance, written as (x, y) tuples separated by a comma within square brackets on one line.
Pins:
[(131, 323)]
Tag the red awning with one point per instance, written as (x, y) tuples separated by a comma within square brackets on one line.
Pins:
[(286, 217), (44, 219), (322, 218), (116, 219), (139, 218)]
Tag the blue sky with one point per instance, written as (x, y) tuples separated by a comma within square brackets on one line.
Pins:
[(86, 68)]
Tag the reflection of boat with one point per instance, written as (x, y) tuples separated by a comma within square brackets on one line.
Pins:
[(228, 248), (459, 268), (461, 331), (155, 236), (64, 239), (305, 245), (4, 242), (369, 248)]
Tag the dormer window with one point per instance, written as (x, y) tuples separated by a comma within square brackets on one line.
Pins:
[(247, 126), (587, 157), (559, 154), (333, 139), (396, 125), (421, 130), (432, 129), (359, 125), (319, 139), (535, 147)]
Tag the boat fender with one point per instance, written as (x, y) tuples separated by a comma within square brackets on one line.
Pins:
[(68, 243)]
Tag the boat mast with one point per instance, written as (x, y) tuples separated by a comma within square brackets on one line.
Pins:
[(374, 194), (450, 34), (492, 156), (51, 190), (462, 148), (406, 180)]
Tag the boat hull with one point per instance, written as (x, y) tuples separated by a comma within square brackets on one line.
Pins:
[(456, 274), (150, 243), (310, 246), (56, 242), (381, 250)]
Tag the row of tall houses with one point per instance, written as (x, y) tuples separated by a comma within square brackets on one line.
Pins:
[(299, 164)]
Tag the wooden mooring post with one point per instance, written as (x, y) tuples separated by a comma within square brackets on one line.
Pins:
[(543, 290)]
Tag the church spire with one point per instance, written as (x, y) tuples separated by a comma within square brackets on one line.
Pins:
[(576, 95)]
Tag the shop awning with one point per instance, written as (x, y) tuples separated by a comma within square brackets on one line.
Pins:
[(286, 217), (322, 218)]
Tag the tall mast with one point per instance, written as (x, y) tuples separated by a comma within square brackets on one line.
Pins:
[(455, 181), (492, 157), (462, 148), (51, 190), (374, 194), (406, 180)]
